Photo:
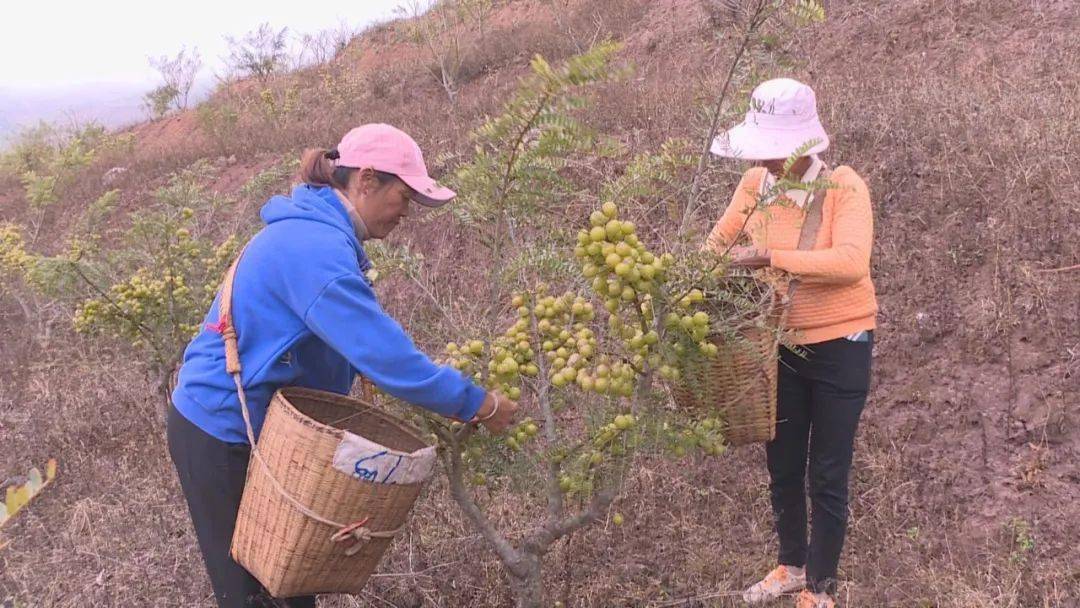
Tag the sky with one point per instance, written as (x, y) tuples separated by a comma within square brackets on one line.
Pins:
[(71, 62), (60, 43)]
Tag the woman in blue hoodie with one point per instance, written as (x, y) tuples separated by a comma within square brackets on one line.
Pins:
[(307, 316)]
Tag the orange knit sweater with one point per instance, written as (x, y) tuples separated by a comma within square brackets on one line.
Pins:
[(836, 296)]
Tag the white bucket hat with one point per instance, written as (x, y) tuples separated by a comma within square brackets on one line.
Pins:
[(782, 117)]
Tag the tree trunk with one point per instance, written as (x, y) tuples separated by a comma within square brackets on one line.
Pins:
[(529, 589)]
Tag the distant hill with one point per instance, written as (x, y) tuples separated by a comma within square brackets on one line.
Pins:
[(111, 104)]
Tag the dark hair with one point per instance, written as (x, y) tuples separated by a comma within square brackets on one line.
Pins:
[(317, 168)]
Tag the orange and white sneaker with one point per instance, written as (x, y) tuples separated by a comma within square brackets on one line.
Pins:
[(809, 599), (783, 579)]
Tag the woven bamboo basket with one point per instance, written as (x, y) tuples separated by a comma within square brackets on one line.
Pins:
[(290, 552), (740, 382)]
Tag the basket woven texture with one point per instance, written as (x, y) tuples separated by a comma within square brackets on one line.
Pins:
[(289, 552), (739, 383)]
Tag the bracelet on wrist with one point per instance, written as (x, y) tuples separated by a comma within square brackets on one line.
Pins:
[(494, 410)]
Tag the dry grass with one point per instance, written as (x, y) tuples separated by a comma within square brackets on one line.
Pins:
[(962, 117)]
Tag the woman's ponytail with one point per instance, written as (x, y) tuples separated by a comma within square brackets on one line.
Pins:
[(317, 167)]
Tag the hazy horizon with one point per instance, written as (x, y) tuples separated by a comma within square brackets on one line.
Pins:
[(100, 73)]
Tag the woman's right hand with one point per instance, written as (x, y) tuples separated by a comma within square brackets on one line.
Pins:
[(503, 415)]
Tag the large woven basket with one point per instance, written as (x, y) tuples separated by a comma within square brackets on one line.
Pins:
[(290, 552), (740, 383)]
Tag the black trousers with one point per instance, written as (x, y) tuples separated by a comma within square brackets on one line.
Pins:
[(212, 474), (819, 401)]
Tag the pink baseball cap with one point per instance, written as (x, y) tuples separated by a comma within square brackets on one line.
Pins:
[(388, 149)]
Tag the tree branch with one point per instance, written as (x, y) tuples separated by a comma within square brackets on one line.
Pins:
[(451, 457), (756, 20)]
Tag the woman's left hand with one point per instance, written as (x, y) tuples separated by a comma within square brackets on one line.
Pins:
[(750, 257)]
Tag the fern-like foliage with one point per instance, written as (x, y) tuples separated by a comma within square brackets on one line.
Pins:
[(520, 153)]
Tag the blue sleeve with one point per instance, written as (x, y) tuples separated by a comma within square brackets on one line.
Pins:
[(347, 316)]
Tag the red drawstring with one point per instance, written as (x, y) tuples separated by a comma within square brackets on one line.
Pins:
[(220, 326)]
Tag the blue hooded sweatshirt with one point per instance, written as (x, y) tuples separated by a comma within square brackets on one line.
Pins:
[(306, 316)]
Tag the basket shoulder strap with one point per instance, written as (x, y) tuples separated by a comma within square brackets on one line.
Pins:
[(812, 221), (225, 324), (811, 225)]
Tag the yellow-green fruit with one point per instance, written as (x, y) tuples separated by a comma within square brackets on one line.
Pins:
[(701, 318), (514, 393), (597, 234), (613, 260), (617, 519), (622, 269), (609, 209), (624, 249), (628, 294), (597, 218), (531, 429), (613, 230), (628, 228)]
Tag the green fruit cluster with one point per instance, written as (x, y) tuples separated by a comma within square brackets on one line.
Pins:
[(705, 435), (566, 342), (518, 436), (611, 255), (610, 440), (511, 357)]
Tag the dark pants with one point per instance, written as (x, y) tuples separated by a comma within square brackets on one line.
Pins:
[(212, 475), (819, 400)]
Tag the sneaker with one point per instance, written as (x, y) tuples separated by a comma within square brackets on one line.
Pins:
[(776, 583), (809, 599)]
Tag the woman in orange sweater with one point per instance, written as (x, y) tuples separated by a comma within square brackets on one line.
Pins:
[(821, 393)]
